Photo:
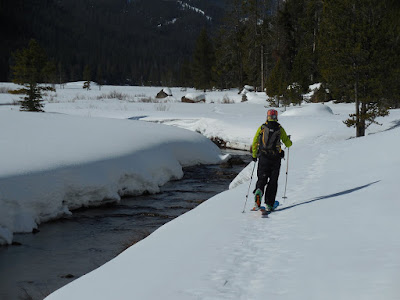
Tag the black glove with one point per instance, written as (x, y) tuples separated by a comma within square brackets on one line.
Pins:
[(282, 154), (254, 159)]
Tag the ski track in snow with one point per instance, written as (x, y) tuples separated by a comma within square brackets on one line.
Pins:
[(299, 250), (234, 276)]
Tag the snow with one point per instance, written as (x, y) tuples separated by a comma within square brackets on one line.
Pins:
[(54, 163), (196, 97), (197, 10), (313, 110), (167, 91), (334, 237), (247, 88)]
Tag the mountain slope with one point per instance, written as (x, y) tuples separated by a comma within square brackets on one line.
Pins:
[(141, 41)]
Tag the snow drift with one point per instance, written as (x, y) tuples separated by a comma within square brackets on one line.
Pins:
[(308, 110), (54, 163)]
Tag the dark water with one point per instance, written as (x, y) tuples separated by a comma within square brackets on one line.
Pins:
[(68, 248)]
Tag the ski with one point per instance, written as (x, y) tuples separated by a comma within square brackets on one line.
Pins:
[(264, 211), (256, 208)]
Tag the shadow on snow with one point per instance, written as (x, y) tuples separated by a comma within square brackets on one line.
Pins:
[(329, 196), (395, 125)]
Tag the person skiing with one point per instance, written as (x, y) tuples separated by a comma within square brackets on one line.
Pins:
[(266, 148)]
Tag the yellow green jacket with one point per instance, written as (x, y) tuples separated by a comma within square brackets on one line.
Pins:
[(284, 138)]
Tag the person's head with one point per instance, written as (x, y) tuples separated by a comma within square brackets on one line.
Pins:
[(272, 115)]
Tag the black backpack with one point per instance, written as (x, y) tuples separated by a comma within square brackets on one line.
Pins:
[(269, 142)]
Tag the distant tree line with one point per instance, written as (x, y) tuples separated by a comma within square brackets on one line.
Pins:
[(142, 42), (352, 47)]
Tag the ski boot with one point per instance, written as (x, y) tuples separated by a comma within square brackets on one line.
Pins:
[(257, 198), (269, 207)]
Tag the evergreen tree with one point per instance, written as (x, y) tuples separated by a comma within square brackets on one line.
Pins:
[(50, 73), (277, 82), (304, 70), (61, 75), (186, 74), (393, 22), (87, 77), (203, 62), (29, 70), (252, 42), (356, 50), (280, 37), (99, 77), (245, 44), (230, 48)]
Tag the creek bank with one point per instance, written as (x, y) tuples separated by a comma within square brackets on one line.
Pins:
[(65, 249)]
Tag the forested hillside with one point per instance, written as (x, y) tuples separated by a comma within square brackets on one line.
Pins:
[(122, 41), (351, 47)]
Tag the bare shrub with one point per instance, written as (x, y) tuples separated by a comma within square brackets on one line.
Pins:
[(52, 98), (79, 97), (218, 141), (113, 95), (162, 106), (140, 95), (148, 100), (227, 100)]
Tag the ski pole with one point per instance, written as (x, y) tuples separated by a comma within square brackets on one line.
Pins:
[(287, 171), (247, 196)]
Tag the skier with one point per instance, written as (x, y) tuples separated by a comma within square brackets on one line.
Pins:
[(267, 148)]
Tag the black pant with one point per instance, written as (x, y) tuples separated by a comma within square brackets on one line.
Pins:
[(268, 174)]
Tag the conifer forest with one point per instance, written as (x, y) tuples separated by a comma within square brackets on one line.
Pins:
[(352, 47)]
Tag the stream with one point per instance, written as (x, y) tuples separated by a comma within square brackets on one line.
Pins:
[(65, 249)]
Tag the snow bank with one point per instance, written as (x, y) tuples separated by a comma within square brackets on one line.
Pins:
[(257, 98), (309, 247), (327, 234), (243, 176), (54, 163), (326, 242), (316, 110)]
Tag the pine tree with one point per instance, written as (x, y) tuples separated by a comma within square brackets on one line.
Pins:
[(203, 62), (393, 22), (252, 42), (29, 70), (99, 77), (356, 51), (304, 70), (61, 75), (186, 74), (277, 82), (87, 77), (50, 73), (229, 48)]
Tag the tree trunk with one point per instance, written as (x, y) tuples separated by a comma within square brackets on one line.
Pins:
[(362, 119), (358, 120), (262, 68)]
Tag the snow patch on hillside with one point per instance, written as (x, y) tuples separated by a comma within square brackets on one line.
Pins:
[(185, 5)]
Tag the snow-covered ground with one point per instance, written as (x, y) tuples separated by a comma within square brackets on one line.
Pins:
[(334, 237)]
